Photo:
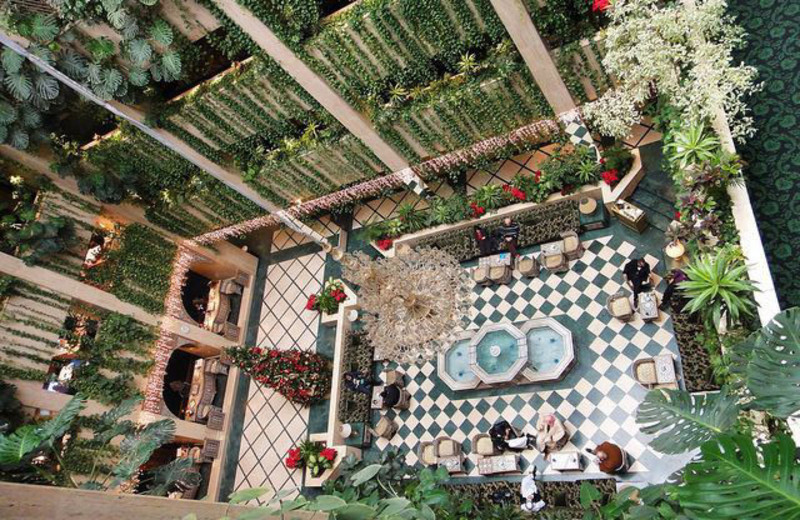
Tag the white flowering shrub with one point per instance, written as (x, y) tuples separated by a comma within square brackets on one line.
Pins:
[(683, 52)]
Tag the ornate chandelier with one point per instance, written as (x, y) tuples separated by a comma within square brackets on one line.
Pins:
[(413, 303)]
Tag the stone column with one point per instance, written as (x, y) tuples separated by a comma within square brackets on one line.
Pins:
[(530, 45), (356, 122)]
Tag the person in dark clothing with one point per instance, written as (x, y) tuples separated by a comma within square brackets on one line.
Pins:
[(508, 233), (637, 274), (355, 381), (391, 395), (505, 437), (485, 242), (675, 277)]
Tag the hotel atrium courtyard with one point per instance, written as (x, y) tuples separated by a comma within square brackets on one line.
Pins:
[(394, 259)]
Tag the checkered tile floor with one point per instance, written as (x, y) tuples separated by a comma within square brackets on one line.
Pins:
[(596, 400), (272, 424)]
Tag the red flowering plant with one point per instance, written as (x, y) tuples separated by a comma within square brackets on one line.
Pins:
[(311, 455), (600, 5), (328, 299), (610, 177), (385, 244), (301, 377), (477, 211), (515, 193)]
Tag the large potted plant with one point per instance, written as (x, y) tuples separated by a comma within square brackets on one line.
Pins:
[(328, 299), (313, 456)]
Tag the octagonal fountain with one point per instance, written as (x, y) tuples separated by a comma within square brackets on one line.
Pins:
[(536, 351)]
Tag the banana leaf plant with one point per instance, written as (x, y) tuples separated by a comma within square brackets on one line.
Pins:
[(50, 452), (769, 360), (681, 421)]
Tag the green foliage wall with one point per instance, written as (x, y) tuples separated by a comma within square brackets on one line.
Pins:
[(141, 170), (374, 46), (29, 327), (139, 270)]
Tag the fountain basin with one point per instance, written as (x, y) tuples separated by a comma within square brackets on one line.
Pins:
[(550, 350), (453, 367), (497, 353), (535, 351)]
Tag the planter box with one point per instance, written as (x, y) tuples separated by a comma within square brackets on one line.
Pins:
[(329, 320), (601, 190)]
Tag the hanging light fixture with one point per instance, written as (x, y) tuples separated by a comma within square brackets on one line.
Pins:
[(412, 304)]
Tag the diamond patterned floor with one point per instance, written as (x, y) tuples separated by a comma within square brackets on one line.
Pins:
[(597, 398), (272, 424)]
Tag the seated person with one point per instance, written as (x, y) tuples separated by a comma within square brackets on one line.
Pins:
[(675, 277), (637, 274), (609, 457), (485, 242), (551, 434), (531, 498), (505, 437), (508, 233), (391, 395), (357, 382)]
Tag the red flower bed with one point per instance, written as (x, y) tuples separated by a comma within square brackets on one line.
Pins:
[(601, 5), (385, 244), (301, 377)]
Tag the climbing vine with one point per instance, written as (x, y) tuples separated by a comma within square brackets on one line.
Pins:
[(138, 269)]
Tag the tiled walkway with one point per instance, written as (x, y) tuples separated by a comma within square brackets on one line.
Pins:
[(273, 425), (598, 397)]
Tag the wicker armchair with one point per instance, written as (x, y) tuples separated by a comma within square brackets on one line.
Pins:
[(480, 275), (482, 445), (404, 402), (426, 452), (385, 428), (528, 266), (573, 248), (619, 306), (500, 274), (555, 263), (447, 447)]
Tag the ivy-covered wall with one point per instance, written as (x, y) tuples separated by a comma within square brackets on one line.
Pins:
[(138, 269), (32, 321), (29, 328), (178, 196)]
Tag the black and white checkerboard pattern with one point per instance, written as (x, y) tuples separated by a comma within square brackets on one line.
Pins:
[(597, 399)]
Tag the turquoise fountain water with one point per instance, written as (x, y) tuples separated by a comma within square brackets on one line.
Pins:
[(546, 349), (456, 362), (497, 352)]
